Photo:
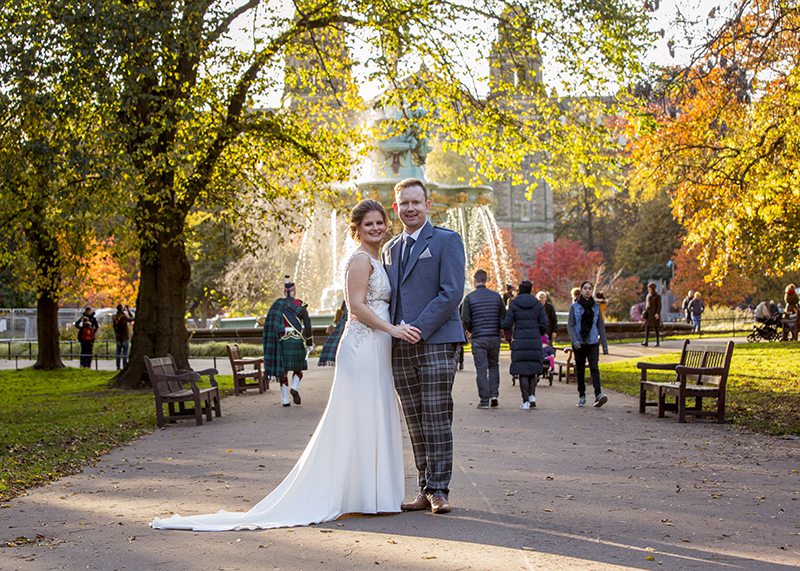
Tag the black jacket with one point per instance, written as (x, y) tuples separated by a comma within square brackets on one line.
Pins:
[(527, 318), (552, 319), (482, 311)]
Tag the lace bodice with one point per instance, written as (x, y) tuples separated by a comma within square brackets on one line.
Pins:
[(379, 293), (379, 290)]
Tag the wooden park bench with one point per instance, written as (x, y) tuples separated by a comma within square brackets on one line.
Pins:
[(247, 372), (702, 372), (565, 366), (179, 386)]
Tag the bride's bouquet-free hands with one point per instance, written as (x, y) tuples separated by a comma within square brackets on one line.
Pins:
[(406, 333)]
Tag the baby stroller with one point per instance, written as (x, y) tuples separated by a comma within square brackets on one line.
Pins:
[(768, 330)]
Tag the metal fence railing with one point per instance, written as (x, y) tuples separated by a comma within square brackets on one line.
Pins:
[(70, 351)]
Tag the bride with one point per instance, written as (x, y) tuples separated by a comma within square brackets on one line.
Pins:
[(354, 460)]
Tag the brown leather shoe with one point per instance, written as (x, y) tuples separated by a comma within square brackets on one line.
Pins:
[(420, 503), (439, 503)]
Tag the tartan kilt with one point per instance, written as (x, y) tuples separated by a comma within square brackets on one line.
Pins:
[(327, 356), (293, 353)]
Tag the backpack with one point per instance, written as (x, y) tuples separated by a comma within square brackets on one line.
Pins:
[(120, 324), (86, 333)]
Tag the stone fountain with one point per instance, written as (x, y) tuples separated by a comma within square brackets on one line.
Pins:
[(466, 209)]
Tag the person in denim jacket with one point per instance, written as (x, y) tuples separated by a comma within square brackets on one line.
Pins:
[(587, 331)]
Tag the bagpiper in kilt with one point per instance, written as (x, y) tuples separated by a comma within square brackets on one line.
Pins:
[(286, 336)]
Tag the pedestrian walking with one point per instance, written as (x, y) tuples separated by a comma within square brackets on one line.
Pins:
[(122, 334), (87, 331), (587, 331), (652, 314), (685, 305), (287, 342), (527, 320), (481, 313), (696, 308), (550, 312)]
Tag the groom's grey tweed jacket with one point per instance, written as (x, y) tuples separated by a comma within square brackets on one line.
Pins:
[(432, 285)]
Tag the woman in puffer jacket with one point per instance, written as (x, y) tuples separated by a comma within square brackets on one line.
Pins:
[(528, 322)]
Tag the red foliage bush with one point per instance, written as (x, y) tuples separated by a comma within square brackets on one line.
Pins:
[(561, 265)]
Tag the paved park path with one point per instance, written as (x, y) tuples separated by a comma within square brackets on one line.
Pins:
[(558, 487)]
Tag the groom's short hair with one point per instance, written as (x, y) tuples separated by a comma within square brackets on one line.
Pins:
[(480, 277), (408, 183)]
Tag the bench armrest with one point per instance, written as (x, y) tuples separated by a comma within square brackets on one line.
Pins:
[(210, 374), (205, 372)]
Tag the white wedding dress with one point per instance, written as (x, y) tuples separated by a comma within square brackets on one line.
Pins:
[(354, 460)]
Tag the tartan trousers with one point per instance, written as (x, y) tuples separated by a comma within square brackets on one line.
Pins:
[(423, 378)]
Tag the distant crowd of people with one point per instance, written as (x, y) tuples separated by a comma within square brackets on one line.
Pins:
[(784, 315), (87, 326), (529, 323)]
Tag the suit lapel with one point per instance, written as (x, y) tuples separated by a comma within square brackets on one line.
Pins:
[(394, 254)]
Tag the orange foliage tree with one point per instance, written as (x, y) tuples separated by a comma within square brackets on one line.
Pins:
[(105, 280), (724, 139), (731, 290)]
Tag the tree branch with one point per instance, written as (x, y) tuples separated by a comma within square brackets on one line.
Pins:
[(231, 126), (225, 24)]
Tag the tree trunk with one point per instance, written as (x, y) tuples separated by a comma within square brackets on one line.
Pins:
[(47, 333), (48, 275), (160, 326), (587, 202)]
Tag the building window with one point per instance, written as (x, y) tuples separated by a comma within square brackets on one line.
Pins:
[(523, 207)]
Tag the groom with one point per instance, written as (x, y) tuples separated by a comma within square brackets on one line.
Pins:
[(426, 267)]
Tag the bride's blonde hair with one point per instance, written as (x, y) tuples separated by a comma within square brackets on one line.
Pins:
[(360, 210)]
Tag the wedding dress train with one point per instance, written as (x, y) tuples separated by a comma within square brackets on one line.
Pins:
[(354, 460)]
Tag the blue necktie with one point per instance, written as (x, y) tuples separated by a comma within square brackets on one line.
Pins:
[(407, 253)]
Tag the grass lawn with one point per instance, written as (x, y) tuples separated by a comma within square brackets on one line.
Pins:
[(763, 392), (54, 423)]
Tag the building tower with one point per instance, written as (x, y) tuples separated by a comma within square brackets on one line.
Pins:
[(516, 74)]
